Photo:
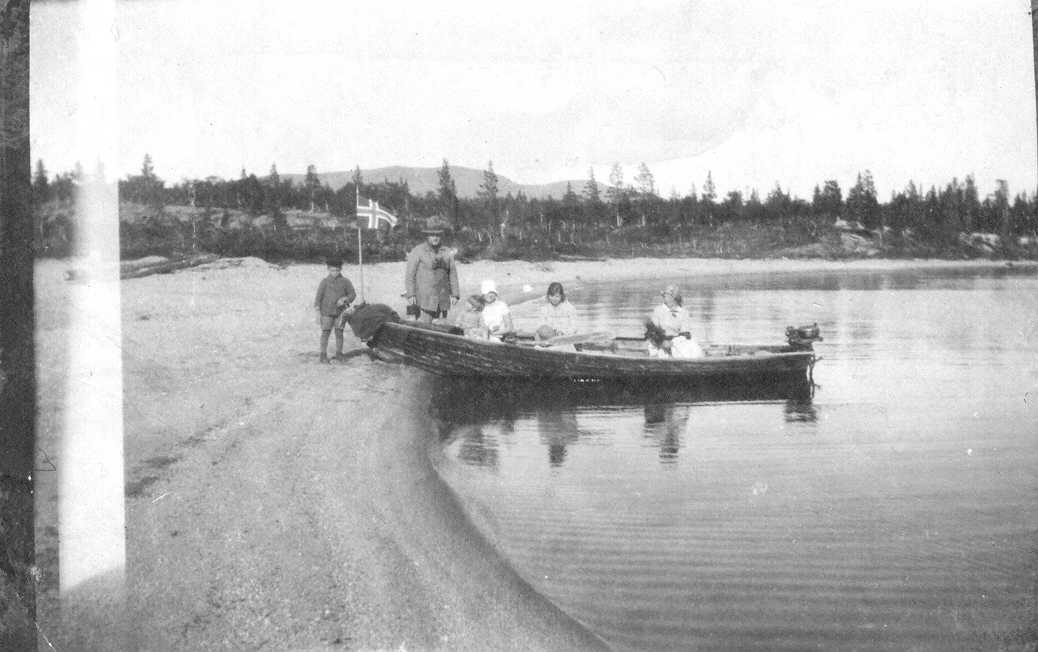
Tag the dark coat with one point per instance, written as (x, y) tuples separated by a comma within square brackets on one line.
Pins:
[(330, 291), (432, 277), (369, 317)]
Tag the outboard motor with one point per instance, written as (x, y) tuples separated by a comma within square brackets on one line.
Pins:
[(803, 337)]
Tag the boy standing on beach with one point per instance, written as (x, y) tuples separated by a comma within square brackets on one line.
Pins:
[(334, 294)]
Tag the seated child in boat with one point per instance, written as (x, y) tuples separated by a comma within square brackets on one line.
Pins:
[(557, 316), (470, 320), (670, 328), (496, 317)]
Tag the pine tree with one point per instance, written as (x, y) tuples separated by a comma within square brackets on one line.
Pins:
[(645, 184), (915, 213), (312, 184), (616, 191), (709, 191), (733, 206), (592, 198), (862, 204), (1022, 217), (570, 204), (145, 188), (239, 190), (778, 203), (828, 201), (40, 184), (448, 193), (591, 192), (970, 205), (64, 187), (709, 197), (488, 193), (753, 208), (644, 181), (999, 221), (274, 198), (488, 189)]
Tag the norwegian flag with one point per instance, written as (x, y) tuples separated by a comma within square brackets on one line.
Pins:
[(370, 210)]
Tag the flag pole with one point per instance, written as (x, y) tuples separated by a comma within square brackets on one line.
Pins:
[(360, 247)]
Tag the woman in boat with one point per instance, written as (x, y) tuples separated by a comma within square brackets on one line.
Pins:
[(470, 320), (496, 317), (671, 328), (557, 316)]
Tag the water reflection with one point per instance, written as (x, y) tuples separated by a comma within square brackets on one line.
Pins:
[(665, 423), (475, 448), (458, 400), (801, 411), (466, 410), (557, 429)]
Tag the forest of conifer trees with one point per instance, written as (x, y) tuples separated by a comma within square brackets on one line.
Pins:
[(275, 218)]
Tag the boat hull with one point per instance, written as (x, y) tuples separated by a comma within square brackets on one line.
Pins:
[(452, 355)]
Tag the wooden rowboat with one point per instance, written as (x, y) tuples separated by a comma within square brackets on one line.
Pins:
[(438, 350)]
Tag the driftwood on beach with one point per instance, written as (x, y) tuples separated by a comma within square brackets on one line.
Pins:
[(147, 266), (166, 266)]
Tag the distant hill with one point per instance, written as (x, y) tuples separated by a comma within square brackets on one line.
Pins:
[(466, 180)]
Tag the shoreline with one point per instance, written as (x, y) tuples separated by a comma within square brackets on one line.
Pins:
[(356, 541), (253, 516)]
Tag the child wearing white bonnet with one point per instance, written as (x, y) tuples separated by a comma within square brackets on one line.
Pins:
[(496, 316)]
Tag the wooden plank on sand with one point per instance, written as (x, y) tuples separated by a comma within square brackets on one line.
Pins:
[(168, 266)]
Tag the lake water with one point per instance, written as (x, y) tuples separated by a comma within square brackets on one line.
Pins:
[(895, 508)]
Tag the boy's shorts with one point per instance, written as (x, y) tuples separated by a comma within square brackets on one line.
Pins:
[(328, 321)]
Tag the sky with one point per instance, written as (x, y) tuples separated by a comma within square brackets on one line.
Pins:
[(756, 92)]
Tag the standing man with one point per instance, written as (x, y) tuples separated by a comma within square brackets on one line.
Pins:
[(431, 278)]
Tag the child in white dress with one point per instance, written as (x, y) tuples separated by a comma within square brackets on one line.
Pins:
[(673, 320)]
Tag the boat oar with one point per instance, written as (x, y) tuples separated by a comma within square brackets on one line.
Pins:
[(524, 338), (579, 338)]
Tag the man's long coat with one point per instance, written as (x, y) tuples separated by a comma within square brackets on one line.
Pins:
[(432, 277)]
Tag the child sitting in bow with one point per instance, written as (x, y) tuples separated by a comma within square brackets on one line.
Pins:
[(497, 318), (470, 320)]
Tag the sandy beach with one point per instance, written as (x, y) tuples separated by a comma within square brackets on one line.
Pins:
[(273, 501)]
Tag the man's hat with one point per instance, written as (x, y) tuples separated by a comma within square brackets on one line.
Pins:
[(333, 261), (436, 225)]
